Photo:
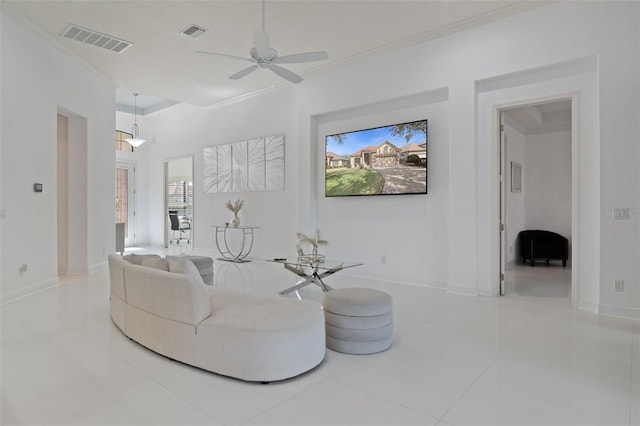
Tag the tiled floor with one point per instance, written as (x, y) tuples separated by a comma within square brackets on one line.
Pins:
[(524, 359)]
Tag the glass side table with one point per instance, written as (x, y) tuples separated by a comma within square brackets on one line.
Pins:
[(231, 254)]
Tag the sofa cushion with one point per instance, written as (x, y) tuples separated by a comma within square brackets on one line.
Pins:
[(137, 259), (157, 263), (184, 265), (169, 295), (116, 275), (260, 338)]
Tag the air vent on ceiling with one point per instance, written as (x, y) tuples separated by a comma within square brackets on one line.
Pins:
[(194, 31), (95, 38)]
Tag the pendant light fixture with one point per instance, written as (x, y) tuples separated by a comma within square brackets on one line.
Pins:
[(135, 141)]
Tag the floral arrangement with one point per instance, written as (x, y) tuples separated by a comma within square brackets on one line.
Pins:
[(235, 208), (315, 241)]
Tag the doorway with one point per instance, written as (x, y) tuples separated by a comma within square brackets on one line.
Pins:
[(125, 200), (178, 223), (536, 187), (71, 190)]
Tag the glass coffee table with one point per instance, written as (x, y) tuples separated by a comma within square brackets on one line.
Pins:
[(312, 272)]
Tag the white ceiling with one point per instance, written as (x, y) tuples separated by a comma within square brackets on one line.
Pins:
[(161, 64), (544, 117)]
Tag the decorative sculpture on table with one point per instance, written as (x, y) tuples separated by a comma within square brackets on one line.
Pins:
[(314, 257), (235, 208)]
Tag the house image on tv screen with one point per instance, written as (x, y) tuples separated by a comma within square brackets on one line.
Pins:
[(377, 161), (335, 160), (384, 155), (420, 150)]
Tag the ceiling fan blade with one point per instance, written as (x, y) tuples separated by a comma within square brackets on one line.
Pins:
[(301, 57), (261, 43), (243, 73), (285, 73), (237, 58)]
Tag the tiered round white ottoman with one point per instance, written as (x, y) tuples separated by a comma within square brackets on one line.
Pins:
[(204, 265), (358, 320)]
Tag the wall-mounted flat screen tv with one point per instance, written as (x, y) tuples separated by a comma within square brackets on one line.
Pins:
[(387, 160)]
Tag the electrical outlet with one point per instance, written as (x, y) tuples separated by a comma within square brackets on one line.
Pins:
[(23, 268), (383, 260), (621, 213), (619, 285)]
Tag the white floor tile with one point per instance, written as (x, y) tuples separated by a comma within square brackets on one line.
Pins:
[(497, 400), (527, 358), (50, 395), (545, 283), (413, 380), (152, 405), (567, 367), (232, 401), (334, 403)]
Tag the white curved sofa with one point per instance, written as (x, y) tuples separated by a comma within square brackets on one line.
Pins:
[(249, 337)]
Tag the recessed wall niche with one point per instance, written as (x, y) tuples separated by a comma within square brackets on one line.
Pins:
[(245, 166)]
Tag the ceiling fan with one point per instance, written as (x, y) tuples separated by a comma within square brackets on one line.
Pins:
[(264, 56)]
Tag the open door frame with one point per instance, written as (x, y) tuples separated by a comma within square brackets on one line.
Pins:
[(166, 221), (502, 159), (575, 187)]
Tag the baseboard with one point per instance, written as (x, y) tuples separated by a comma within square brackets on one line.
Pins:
[(98, 267), (26, 291), (619, 311), (588, 305), (487, 291), (418, 282), (464, 291)]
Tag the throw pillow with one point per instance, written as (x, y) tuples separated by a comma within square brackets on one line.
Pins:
[(157, 263), (183, 265)]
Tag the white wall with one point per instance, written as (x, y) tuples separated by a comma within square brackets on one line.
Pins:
[(593, 60), (398, 237), (38, 81), (482, 69), (547, 184), (479, 70), (181, 169), (601, 181), (184, 130)]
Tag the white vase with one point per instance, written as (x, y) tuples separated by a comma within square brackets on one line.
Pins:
[(235, 221)]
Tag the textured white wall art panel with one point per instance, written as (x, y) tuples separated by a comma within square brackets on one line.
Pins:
[(274, 159), (239, 167), (225, 168), (253, 165), (210, 169), (256, 164)]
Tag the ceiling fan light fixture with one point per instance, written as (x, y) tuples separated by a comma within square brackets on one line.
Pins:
[(135, 141), (262, 55)]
